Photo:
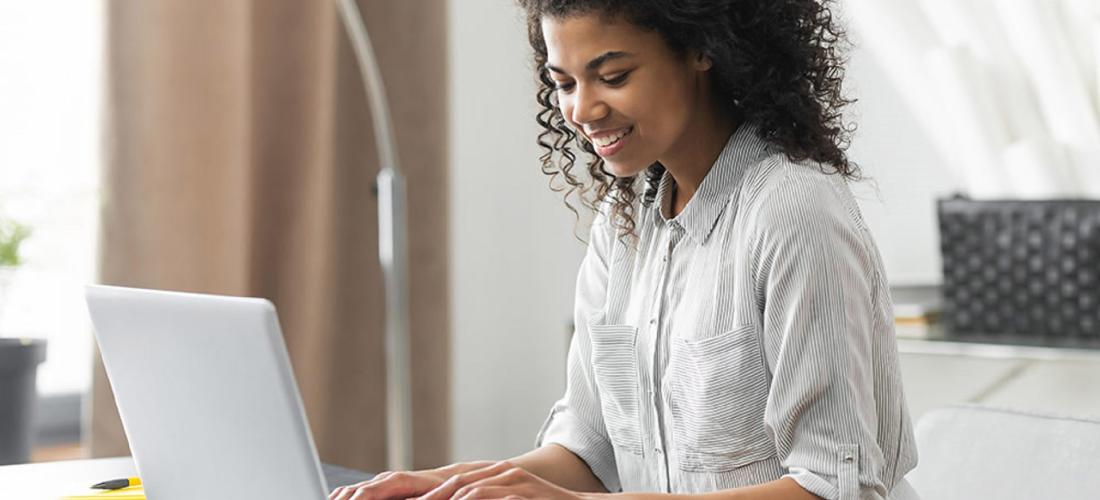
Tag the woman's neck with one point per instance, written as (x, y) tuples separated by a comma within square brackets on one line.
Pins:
[(695, 153)]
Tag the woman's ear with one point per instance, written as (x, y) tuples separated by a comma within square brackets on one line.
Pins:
[(703, 62)]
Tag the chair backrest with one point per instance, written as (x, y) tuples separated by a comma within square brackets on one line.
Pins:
[(974, 452)]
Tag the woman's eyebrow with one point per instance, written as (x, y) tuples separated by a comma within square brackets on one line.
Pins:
[(594, 64)]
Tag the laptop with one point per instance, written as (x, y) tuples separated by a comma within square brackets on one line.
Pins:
[(207, 396)]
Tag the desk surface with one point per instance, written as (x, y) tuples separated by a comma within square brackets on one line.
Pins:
[(51, 480), (1002, 350)]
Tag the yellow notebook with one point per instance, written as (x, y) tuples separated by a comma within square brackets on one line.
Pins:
[(128, 493)]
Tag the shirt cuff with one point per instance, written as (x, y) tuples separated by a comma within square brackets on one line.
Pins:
[(814, 483), (564, 429), (827, 487), (843, 486)]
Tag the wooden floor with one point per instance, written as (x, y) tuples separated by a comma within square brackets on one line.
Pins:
[(60, 452)]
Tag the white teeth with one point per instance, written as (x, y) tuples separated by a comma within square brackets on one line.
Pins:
[(608, 140)]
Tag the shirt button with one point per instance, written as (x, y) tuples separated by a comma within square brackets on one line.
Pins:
[(653, 321), (657, 451), (848, 459)]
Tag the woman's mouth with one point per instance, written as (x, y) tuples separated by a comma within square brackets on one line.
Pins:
[(609, 144)]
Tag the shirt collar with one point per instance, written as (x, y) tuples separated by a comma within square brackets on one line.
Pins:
[(698, 218)]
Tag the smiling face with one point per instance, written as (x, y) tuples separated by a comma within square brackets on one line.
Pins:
[(624, 89)]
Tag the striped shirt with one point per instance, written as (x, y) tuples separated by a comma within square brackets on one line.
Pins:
[(748, 338)]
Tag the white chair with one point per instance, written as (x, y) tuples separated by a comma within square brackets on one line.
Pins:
[(975, 452)]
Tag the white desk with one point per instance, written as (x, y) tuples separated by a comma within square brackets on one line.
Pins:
[(52, 480), (939, 373)]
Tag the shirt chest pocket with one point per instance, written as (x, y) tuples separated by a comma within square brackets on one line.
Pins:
[(615, 366), (719, 392)]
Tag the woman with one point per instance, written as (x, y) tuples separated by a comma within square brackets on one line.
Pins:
[(734, 330)]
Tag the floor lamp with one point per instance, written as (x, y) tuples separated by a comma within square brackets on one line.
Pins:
[(392, 247)]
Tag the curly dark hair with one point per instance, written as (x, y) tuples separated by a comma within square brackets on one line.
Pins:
[(777, 63)]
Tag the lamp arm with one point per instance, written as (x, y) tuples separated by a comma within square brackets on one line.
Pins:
[(392, 248)]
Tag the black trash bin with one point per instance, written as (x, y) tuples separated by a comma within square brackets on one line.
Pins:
[(19, 360)]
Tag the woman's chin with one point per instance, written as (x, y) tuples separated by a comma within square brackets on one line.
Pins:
[(624, 169)]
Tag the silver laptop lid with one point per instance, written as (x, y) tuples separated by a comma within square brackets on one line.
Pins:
[(206, 393)]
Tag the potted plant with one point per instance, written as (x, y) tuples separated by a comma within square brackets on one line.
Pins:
[(12, 235), (19, 359)]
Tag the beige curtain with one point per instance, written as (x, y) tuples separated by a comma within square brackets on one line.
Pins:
[(240, 160)]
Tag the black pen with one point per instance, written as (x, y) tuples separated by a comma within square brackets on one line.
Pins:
[(117, 484)]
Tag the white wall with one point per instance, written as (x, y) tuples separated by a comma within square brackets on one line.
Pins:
[(513, 255), (907, 175), (514, 258)]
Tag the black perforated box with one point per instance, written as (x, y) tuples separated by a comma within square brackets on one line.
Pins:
[(1021, 269)]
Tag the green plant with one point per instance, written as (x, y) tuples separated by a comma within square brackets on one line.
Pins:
[(12, 235)]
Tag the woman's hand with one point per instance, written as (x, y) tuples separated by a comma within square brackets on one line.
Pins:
[(502, 480), (401, 485)]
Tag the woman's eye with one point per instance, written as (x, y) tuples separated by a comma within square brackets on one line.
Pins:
[(617, 79), (563, 86)]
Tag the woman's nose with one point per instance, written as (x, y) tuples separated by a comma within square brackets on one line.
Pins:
[(588, 107)]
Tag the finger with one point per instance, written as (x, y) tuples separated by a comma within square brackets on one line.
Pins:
[(446, 490), (511, 478), (364, 493), (381, 476), (508, 477), (347, 492), (443, 491), (386, 485), (340, 493), (487, 492), (343, 493), (398, 485)]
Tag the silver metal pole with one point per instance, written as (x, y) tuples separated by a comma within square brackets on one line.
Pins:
[(392, 248)]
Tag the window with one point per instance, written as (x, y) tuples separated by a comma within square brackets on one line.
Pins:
[(50, 89)]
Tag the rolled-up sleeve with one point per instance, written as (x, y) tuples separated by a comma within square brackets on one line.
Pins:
[(816, 282), (576, 421)]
